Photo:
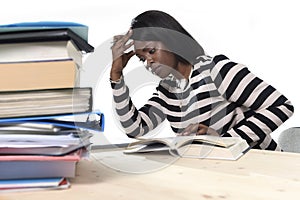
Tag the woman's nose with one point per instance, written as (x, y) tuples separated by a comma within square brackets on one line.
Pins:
[(148, 64), (149, 61)]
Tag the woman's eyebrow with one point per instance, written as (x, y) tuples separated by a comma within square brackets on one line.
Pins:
[(146, 48)]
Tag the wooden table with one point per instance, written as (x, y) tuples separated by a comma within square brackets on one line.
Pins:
[(257, 175)]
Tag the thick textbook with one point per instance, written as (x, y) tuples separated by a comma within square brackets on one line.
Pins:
[(38, 75), (45, 102), (201, 146), (45, 35), (40, 51), (38, 166)]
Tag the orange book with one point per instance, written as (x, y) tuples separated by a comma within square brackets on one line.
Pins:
[(38, 75)]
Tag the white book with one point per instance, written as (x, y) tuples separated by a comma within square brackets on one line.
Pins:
[(40, 51), (200, 146), (36, 184)]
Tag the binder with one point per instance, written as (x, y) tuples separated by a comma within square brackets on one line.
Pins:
[(88, 120)]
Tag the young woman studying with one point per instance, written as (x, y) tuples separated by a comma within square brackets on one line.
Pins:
[(197, 94)]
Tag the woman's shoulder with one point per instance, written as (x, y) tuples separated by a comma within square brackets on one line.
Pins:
[(206, 63), (205, 59), (214, 65), (219, 58)]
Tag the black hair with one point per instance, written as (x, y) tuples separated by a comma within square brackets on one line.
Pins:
[(154, 25)]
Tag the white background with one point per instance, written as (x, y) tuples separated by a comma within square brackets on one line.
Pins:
[(262, 34)]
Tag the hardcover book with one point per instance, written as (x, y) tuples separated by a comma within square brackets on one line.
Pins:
[(38, 75), (79, 29), (40, 51), (45, 35), (38, 166), (45, 102)]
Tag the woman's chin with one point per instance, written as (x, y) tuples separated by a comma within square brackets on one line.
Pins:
[(162, 76)]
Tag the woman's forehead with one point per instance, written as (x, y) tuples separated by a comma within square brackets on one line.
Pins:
[(144, 45)]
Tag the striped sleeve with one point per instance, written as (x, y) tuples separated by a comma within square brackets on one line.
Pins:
[(268, 108), (136, 122)]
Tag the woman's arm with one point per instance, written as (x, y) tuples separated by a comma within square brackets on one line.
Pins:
[(136, 122), (268, 108)]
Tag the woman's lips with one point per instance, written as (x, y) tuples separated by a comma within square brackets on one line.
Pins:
[(155, 70)]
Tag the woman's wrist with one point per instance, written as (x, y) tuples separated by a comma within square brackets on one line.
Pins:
[(116, 80), (114, 76), (117, 84)]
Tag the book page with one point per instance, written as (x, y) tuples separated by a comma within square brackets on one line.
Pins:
[(206, 140)]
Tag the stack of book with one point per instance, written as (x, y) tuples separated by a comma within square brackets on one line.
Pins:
[(45, 116)]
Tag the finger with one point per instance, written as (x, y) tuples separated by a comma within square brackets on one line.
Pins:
[(186, 131), (117, 37), (202, 131), (127, 46), (183, 133), (190, 130), (194, 128), (130, 54), (127, 36)]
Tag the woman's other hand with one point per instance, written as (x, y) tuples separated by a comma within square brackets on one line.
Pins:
[(120, 58), (198, 129)]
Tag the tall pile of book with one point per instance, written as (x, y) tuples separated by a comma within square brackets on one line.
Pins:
[(45, 116)]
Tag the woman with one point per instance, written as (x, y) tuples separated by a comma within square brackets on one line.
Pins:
[(198, 94)]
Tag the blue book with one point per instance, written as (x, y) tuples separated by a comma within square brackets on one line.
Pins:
[(79, 29), (45, 35), (87, 120)]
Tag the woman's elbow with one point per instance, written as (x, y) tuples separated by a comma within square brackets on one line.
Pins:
[(290, 109)]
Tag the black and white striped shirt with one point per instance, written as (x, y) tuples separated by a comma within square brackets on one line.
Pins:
[(220, 94)]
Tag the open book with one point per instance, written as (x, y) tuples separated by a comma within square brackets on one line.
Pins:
[(200, 146)]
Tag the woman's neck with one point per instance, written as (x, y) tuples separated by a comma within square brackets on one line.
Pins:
[(184, 71)]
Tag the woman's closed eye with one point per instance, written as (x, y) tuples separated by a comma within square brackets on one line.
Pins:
[(143, 59), (152, 51)]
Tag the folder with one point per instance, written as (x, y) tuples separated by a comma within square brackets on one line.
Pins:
[(87, 120)]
